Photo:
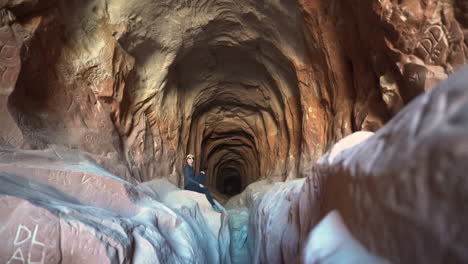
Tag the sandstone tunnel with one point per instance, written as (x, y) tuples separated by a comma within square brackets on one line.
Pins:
[(102, 100), (241, 113)]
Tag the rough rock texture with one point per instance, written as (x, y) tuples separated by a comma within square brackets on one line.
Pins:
[(257, 218), (189, 205), (401, 193), (69, 210), (12, 38), (92, 90), (271, 212), (407, 182), (260, 218), (256, 90)]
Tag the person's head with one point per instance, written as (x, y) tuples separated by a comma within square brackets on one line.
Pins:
[(189, 159)]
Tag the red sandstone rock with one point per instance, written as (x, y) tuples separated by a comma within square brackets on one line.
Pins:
[(59, 208), (32, 234), (81, 179), (402, 191), (257, 92)]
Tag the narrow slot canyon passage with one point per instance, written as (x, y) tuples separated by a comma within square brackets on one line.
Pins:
[(238, 115), (328, 131)]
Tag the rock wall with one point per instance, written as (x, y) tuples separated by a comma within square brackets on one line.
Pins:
[(401, 192), (58, 207), (256, 90), (407, 182)]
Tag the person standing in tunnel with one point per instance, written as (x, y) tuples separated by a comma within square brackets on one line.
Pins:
[(197, 184)]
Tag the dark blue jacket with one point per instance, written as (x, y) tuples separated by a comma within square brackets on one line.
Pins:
[(189, 177)]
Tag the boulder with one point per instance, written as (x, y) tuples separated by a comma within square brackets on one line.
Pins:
[(61, 210)]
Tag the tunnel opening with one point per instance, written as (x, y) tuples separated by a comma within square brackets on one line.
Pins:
[(230, 181), (240, 112), (233, 160)]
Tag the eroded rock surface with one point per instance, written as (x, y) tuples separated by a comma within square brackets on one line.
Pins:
[(255, 90), (72, 211), (396, 196), (117, 93), (402, 191)]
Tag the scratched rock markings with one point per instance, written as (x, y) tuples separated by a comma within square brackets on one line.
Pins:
[(12, 38), (29, 235), (36, 236), (88, 188), (55, 210)]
